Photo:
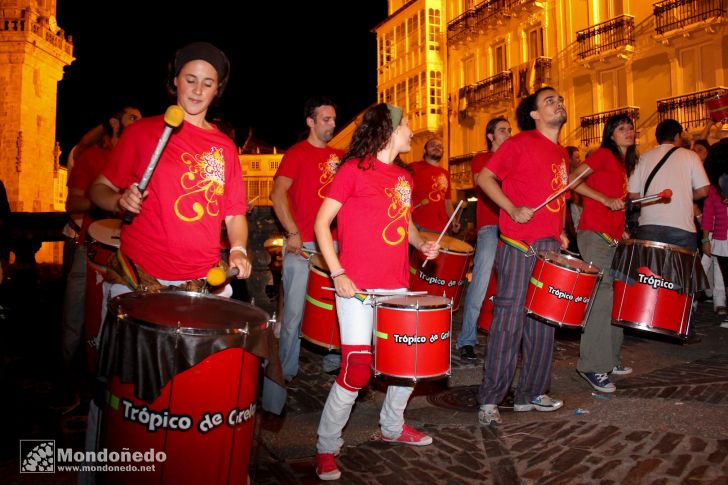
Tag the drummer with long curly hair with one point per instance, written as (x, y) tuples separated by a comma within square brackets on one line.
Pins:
[(371, 199), (601, 225)]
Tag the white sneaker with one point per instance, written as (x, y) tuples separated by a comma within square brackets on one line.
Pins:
[(488, 414), (540, 403)]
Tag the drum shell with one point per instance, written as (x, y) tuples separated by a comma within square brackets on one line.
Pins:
[(717, 107), (547, 278), (486, 311), (320, 324), (429, 358), (218, 394), (651, 309), (444, 275)]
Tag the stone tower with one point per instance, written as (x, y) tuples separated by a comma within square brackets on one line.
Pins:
[(33, 52)]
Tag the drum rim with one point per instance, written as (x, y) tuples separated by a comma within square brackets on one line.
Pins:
[(645, 327), (657, 244), (552, 322), (542, 254), (447, 303), (116, 307)]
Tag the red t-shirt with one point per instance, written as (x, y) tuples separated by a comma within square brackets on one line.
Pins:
[(609, 178), (196, 184), (87, 167), (432, 184), (532, 168), (486, 211), (373, 223), (312, 169)]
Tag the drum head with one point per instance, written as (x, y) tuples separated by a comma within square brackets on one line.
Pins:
[(106, 231), (569, 262), (194, 313), (448, 244), (655, 244), (429, 302)]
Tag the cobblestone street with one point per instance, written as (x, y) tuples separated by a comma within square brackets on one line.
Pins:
[(667, 423)]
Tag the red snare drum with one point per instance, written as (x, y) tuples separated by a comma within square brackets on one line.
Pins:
[(104, 236), (486, 311), (717, 107), (182, 381), (561, 289), (412, 336), (320, 324), (444, 275), (650, 299)]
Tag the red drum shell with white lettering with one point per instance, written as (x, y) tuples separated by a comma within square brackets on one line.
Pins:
[(412, 336), (561, 289), (203, 418)]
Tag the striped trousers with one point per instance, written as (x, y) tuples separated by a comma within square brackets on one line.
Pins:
[(512, 332)]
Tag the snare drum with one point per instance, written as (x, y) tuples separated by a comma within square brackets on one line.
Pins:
[(104, 240), (320, 324), (412, 336), (717, 107), (444, 275), (183, 380), (654, 285), (561, 289)]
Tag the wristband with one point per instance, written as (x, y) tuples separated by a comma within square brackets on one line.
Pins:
[(241, 249), (706, 240), (291, 234), (337, 273)]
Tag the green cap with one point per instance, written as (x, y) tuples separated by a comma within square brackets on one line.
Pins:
[(395, 112)]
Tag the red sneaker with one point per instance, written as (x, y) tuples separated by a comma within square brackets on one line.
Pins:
[(410, 436), (326, 468)]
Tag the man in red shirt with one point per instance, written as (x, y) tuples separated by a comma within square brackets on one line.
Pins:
[(431, 198), (497, 131), (530, 166), (91, 156), (299, 186)]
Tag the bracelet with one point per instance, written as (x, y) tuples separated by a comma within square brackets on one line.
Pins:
[(337, 273), (241, 249), (706, 240), (291, 234)]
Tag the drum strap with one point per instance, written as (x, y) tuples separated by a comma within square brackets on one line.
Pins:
[(609, 239), (657, 168), (516, 244)]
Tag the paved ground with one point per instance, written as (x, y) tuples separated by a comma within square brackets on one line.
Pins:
[(666, 424)]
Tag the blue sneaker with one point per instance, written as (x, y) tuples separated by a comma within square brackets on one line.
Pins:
[(598, 380)]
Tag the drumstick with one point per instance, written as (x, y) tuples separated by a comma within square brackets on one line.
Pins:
[(564, 189), (382, 292), (665, 194), (424, 202), (444, 229)]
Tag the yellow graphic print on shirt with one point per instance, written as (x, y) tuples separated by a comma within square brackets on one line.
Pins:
[(398, 210), (557, 183), (205, 176), (439, 186), (328, 170)]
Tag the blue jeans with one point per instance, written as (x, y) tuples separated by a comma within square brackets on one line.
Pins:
[(483, 264), (668, 235)]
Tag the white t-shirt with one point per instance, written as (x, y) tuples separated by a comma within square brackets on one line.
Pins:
[(682, 173)]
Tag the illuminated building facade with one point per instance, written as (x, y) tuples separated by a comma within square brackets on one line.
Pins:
[(653, 60)]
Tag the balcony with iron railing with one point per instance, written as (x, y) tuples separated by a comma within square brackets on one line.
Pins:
[(615, 35), (491, 13), (688, 109), (461, 174), (491, 90), (676, 15), (461, 27), (29, 22), (592, 126)]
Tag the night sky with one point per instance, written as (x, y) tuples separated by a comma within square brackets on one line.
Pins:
[(280, 54)]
